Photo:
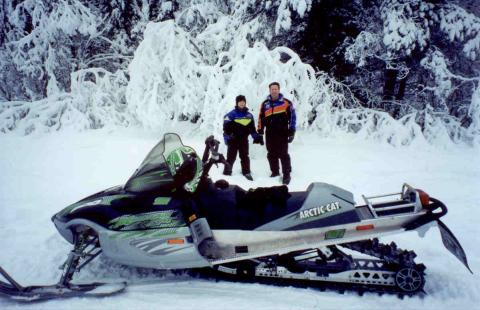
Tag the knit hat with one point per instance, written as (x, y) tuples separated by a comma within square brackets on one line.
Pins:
[(240, 98)]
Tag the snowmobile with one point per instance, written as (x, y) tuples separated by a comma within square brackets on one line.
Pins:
[(171, 215)]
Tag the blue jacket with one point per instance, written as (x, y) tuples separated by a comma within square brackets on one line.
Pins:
[(238, 124)]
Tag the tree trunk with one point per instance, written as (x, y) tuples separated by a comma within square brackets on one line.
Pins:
[(390, 82), (401, 88)]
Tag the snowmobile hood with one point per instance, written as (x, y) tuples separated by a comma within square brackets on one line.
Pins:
[(103, 197)]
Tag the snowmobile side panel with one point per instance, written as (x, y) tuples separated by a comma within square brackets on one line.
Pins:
[(148, 248), (452, 244), (324, 205), (236, 245), (170, 248)]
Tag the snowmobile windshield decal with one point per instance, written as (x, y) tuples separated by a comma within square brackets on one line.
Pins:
[(161, 219), (175, 160), (320, 210)]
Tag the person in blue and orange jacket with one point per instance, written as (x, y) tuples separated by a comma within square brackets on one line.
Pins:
[(278, 119), (238, 124)]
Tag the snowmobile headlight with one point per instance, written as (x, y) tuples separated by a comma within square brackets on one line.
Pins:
[(424, 198)]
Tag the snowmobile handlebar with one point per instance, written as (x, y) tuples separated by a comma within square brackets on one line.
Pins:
[(211, 147), (211, 155)]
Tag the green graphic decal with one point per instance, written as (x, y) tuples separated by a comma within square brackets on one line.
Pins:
[(146, 233), (161, 201), (335, 234), (159, 219), (192, 185), (175, 160)]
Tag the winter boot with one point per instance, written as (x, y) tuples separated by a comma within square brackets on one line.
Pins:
[(286, 179), (274, 174), (248, 176), (227, 172)]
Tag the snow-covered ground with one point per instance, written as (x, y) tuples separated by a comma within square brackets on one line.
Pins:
[(41, 174)]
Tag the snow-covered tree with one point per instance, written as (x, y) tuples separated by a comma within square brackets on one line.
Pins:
[(395, 70), (418, 44)]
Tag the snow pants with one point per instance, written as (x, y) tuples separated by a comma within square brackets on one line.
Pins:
[(239, 145), (277, 149)]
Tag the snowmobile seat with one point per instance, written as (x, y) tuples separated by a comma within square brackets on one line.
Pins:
[(222, 184), (232, 207)]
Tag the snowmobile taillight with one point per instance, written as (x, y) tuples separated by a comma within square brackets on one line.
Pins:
[(424, 198), (365, 227), (176, 241)]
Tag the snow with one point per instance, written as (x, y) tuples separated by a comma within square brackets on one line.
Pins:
[(41, 174)]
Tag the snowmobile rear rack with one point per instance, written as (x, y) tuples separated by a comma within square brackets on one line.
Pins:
[(406, 201), (409, 200)]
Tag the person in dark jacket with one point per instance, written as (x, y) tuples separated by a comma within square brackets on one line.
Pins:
[(278, 119), (238, 124)]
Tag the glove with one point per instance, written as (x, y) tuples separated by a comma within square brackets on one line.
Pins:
[(260, 131), (227, 138), (258, 139), (291, 135)]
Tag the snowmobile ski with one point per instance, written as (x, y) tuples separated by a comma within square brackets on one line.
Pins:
[(86, 248), (15, 291)]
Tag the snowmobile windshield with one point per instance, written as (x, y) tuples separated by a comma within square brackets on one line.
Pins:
[(153, 173)]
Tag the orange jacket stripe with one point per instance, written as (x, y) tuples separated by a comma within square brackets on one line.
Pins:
[(259, 124), (281, 108), (278, 109)]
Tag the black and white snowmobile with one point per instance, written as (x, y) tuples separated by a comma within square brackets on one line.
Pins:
[(170, 215)]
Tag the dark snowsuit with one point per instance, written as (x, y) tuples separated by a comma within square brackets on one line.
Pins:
[(237, 125), (278, 118)]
